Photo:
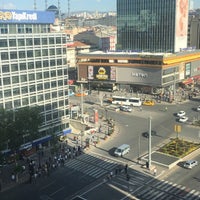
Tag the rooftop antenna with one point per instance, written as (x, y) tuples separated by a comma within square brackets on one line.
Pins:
[(68, 8), (46, 4), (35, 7)]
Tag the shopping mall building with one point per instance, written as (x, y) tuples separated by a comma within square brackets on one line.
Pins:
[(147, 72), (33, 70)]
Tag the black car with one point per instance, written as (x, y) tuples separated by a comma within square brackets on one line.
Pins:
[(146, 134)]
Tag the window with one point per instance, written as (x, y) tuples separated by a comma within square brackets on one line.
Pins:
[(16, 91), (45, 63), (4, 56), (44, 41), (36, 41), (22, 66), (53, 84), (30, 65), (6, 81), (52, 63), (38, 64), (14, 67), (52, 52), (40, 97), (59, 61), (12, 43), (31, 77), (24, 90), (46, 74), (39, 76), (47, 96), (40, 87), (29, 53), (51, 41), (58, 40), (45, 52), (7, 93), (32, 88), (15, 79), (17, 103), (21, 42), (25, 101), (22, 54), (60, 72), (20, 28), (37, 53), (47, 85), (29, 42), (53, 73), (8, 105), (32, 99), (13, 55), (60, 83), (5, 68), (54, 94), (3, 43)]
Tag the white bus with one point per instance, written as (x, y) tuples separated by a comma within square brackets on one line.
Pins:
[(118, 100), (133, 101)]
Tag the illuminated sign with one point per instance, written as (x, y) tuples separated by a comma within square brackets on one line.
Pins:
[(20, 16), (102, 74)]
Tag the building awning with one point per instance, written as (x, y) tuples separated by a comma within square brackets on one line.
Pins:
[(67, 131), (188, 81), (196, 77), (41, 140)]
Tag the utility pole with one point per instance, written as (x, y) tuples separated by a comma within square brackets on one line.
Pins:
[(149, 163), (82, 101)]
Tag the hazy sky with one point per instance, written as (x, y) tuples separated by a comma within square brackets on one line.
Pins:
[(75, 5)]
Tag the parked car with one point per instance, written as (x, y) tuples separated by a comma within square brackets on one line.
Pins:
[(198, 108), (146, 134), (149, 103), (189, 164), (125, 108), (183, 119), (181, 113)]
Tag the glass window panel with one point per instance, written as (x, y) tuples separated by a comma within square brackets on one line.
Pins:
[(3, 43), (51, 41), (25, 101), (60, 72), (40, 97), (55, 115), (46, 74), (4, 56), (15, 79), (60, 83), (39, 76), (12, 43), (21, 42), (36, 41), (17, 103), (13, 55), (29, 54), (14, 67), (52, 63), (32, 88), (45, 52), (8, 105), (52, 52), (24, 90), (7, 93), (30, 65), (31, 77), (58, 40), (22, 54), (39, 87), (6, 81), (46, 85), (48, 107), (16, 91), (53, 84), (29, 42), (53, 73), (5, 69), (23, 78), (37, 53), (38, 64), (22, 66), (44, 41), (47, 96), (54, 94), (45, 63), (32, 99)]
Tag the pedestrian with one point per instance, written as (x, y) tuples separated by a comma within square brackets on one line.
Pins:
[(126, 168), (155, 171), (140, 108), (111, 174), (127, 177)]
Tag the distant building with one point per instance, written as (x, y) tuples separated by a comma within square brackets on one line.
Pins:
[(152, 25), (194, 30), (33, 67)]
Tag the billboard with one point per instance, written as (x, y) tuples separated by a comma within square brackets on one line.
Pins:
[(26, 17), (181, 24), (101, 73)]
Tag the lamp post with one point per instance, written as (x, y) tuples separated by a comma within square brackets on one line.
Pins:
[(149, 161)]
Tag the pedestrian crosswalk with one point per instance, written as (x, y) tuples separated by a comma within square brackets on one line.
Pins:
[(142, 186), (92, 165)]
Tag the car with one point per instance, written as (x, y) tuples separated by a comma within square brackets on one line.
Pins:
[(181, 113), (183, 119), (189, 164), (146, 134), (198, 108), (125, 108), (149, 103)]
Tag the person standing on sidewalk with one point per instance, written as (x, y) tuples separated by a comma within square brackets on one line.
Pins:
[(155, 171)]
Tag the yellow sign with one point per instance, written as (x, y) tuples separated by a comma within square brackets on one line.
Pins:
[(177, 128)]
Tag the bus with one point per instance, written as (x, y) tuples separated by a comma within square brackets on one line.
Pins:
[(133, 101), (118, 100)]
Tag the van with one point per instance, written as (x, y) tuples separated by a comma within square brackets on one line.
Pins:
[(122, 150)]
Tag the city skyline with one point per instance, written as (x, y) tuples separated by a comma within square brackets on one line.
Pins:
[(75, 5)]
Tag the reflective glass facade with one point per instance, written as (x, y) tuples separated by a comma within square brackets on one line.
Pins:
[(146, 25)]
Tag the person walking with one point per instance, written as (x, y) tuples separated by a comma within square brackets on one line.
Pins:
[(155, 171)]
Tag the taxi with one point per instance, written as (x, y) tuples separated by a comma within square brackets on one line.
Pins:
[(79, 94), (148, 103)]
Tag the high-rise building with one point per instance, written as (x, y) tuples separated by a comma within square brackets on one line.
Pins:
[(152, 25), (33, 70)]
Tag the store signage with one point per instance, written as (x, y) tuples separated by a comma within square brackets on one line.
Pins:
[(102, 74), (139, 75), (21, 16)]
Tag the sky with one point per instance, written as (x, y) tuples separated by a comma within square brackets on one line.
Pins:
[(75, 5)]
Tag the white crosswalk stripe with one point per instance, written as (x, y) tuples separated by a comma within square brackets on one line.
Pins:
[(92, 165)]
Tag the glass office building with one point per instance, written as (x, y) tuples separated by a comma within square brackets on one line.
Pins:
[(33, 70), (152, 25)]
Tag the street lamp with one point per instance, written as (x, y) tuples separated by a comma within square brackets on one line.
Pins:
[(149, 161)]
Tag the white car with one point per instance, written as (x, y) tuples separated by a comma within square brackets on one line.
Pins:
[(125, 108), (198, 108), (181, 113), (189, 164), (183, 119)]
